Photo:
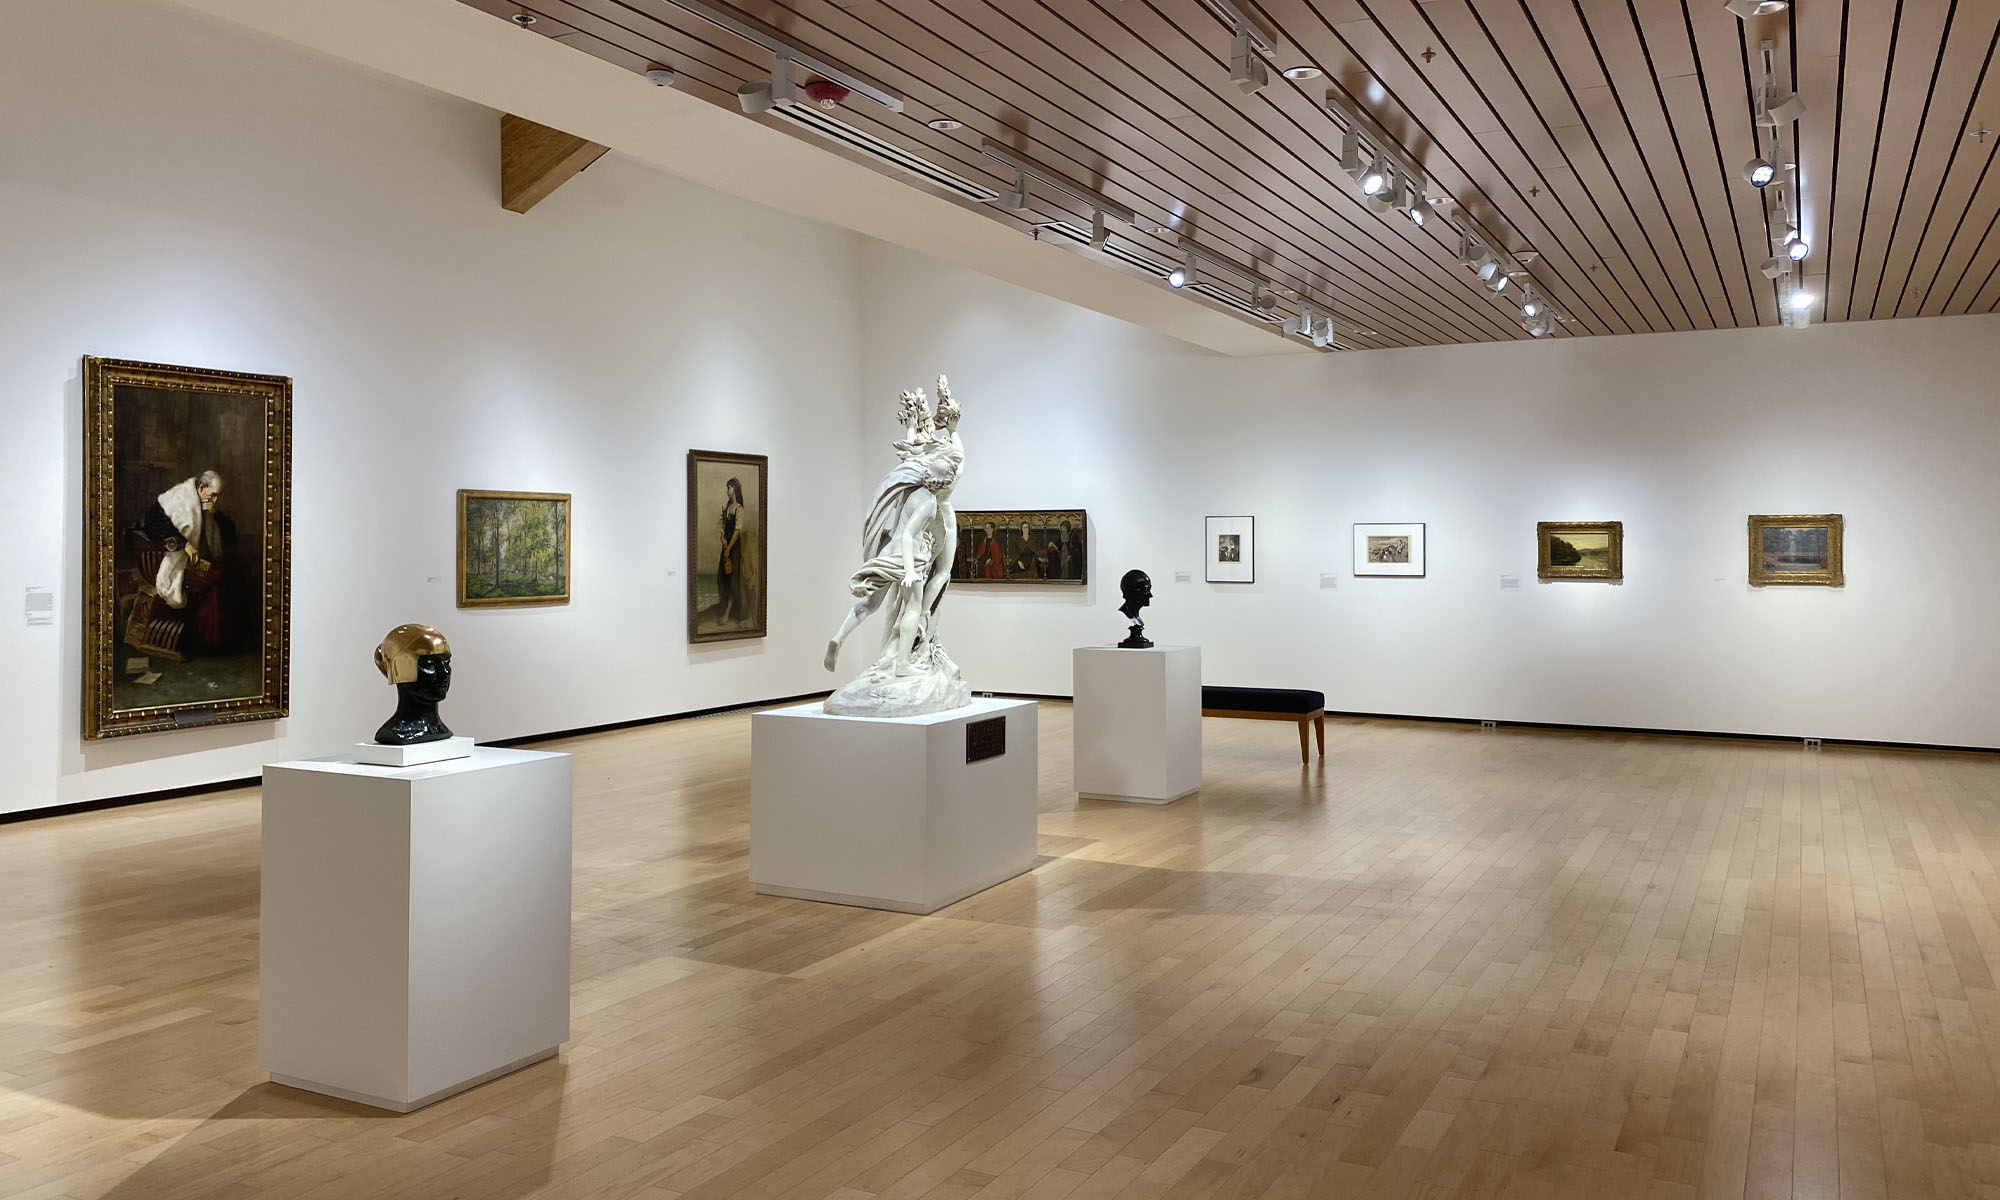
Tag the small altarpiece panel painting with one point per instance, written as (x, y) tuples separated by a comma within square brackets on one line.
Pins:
[(1389, 549), (1797, 550), (1231, 549), (187, 547), (1580, 549), (513, 548), (727, 522), (1030, 546)]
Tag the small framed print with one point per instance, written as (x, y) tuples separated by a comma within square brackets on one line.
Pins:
[(1389, 549), (1232, 549), (1796, 550), (1580, 550)]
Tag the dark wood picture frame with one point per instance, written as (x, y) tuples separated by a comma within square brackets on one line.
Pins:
[(127, 404), (703, 621)]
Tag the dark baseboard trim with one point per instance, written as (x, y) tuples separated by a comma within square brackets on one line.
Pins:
[(1646, 731), (530, 739), (225, 785), (83, 806)]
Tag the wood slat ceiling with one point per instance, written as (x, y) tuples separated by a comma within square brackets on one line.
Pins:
[(1604, 137)]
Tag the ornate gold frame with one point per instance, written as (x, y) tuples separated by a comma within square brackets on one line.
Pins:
[(569, 562), (1833, 576), (101, 379), (973, 517), (1544, 569), (763, 573)]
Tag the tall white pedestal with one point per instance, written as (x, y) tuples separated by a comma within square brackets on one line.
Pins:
[(1137, 722), (885, 812), (416, 922)]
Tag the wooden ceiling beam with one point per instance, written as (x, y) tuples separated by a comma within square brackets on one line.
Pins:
[(536, 160)]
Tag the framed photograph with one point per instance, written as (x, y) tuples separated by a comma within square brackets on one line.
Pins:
[(1580, 549), (1796, 550), (1033, 546), (513, 548), (1231, 549), (727, 523), (1389, 549), (187, 521)]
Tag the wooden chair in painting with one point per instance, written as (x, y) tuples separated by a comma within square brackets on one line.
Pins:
[(149, 625)]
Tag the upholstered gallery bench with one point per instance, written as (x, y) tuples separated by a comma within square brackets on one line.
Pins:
[(1271, 704)]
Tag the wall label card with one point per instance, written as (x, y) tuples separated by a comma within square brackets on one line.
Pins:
[(40, 606), (985, 739)]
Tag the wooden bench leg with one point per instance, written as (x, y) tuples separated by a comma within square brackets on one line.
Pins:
[(1319, 732), (1305, 756)]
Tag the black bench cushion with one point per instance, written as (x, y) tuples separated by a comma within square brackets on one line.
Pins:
[(1271, 700)]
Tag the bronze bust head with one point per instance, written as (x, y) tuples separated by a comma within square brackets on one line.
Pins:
[(417, 659)]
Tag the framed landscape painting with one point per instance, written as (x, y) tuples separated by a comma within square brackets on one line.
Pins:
[(513, 548), (727, 520), (1389, 549), (187, 517), (1231, 549), (1033, 546), (1796, 550), (1580, 549)]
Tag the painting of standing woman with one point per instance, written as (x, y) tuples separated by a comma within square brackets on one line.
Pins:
[(726, 538), (1032, 546)]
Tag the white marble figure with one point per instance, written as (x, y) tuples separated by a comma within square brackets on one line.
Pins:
[(908, 543)]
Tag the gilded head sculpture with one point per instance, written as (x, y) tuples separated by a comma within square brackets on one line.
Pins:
[(397, 656)]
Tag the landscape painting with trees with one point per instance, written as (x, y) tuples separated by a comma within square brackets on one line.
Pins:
[(1580, 549), (513, 548)]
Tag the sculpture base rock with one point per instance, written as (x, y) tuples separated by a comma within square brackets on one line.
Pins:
[(931, 685)]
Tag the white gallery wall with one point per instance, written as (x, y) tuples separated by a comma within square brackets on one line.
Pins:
[(1895, 425), (176, 192)]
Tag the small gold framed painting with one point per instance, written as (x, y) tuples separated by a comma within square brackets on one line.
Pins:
[(1796, 550), (1580, 549)]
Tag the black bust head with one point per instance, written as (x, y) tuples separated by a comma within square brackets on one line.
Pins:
[(417, 660), (1138, 589)]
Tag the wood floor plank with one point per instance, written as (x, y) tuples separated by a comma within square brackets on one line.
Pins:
[(1442, 963)]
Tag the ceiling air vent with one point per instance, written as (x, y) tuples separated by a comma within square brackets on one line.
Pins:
[(816, 119)]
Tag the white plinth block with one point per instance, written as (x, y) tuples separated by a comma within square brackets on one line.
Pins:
[(416, 923), (413, 755), (884, 812), (1137, 723)]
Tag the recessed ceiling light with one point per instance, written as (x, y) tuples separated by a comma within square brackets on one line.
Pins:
[(524, 19), (1302, 72), (945, 123)]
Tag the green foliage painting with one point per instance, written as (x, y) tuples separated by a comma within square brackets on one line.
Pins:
[(513, 548)]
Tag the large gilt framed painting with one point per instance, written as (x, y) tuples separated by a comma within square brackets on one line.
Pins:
[(727, 570), (187, 512), (1030, 546), (1580, 550), (513, 548), (1796, 550)]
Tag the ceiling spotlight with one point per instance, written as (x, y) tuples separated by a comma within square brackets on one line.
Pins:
[(1781, 110), (1421, 212), (1759, 172), (1796, 249), (944, 124), (1262, 298), (1470, 251), (1488, 267), (1531, 303), (1376, 177), (1498, 283), (1776, 266), (1301, 73), (523, 19), (1185, 274), (1246, 67), (660, 76), (1754, 8), (1301, 322), (1800, 300), (1541, 326)]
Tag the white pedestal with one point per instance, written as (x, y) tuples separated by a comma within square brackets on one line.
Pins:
[(885, 812), (415, 755), (416, 924), (1137, 722)]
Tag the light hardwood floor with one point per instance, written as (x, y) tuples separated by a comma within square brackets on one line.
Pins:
[(1445, 963)]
